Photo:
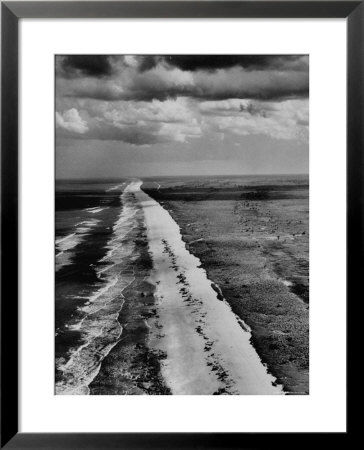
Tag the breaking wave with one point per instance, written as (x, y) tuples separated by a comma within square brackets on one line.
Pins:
[(98, 317)]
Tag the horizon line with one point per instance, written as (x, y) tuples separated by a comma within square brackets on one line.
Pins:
[(185, 176)]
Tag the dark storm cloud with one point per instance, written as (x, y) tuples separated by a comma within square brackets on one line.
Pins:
[(204, 77), (161, 84), (215, 62), (86, 65), (148, 62)]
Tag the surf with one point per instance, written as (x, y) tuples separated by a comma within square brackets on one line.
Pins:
[(98, 317)]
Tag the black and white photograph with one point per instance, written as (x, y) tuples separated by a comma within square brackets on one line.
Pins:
[(182, 224)]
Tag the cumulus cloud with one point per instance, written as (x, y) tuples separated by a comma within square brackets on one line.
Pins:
[(146, 100), (155, 111), (137, 123), (148, 123), (234, 106), (71, 121), (280, 120)]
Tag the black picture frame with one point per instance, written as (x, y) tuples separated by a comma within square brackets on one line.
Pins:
[(11, 13)]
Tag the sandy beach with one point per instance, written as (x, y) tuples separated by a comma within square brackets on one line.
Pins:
[(208, 350), (179, 335), (253, 243)]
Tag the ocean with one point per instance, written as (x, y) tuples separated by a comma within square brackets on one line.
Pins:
[(93, 221)]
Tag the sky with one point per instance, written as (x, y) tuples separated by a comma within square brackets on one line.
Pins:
[(126, 115)]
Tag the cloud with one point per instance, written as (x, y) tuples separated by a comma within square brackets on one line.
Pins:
[(105, 65), (71, 121), (257, 84), (248, 62), (148, 123), (154, 111), (215, 62), (147, 78), (137, 123), (234, 106), (84, 65), (281, 120), (147, 100)]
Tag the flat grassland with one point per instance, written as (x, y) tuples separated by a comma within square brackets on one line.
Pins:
[(252, 237)]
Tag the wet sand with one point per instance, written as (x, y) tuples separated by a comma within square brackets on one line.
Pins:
[(132, 367)]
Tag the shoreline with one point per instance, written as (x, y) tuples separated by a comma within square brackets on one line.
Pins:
[(132, 367)]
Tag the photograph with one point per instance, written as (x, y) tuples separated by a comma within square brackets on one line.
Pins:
[(181, 224)]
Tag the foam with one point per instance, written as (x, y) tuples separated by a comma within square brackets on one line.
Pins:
[(119, 186), (98, 321), (65, 245), (94, 210)]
